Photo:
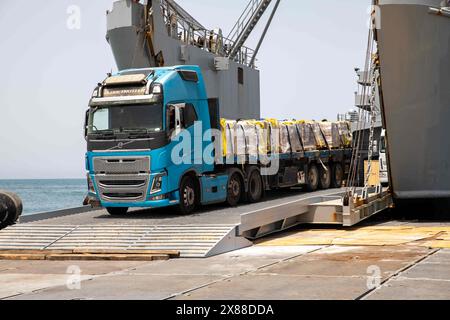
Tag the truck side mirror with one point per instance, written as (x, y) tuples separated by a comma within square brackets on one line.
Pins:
[(179, 115), (86, 120), (170, 121), (175, 119)]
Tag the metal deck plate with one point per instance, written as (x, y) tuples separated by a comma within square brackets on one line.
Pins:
[(195, 241)]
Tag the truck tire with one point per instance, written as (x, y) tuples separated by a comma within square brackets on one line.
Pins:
[(337, 176), (188, 196), (234, 190), (325, 177), (255, 187), (4, 214), (117, 211), (312, 183), (10, 209)]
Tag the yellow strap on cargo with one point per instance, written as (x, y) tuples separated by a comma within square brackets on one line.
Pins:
[(274, 123), (223, 125)]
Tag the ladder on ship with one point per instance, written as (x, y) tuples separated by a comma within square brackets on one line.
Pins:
[(247, 23)]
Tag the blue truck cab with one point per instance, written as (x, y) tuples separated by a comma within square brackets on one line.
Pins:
[(136, 126)]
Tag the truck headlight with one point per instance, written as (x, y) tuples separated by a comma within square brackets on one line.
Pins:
[(158, 198), (157, 184)]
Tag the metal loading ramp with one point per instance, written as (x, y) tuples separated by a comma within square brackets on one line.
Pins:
[(193, 237), (191, 241)]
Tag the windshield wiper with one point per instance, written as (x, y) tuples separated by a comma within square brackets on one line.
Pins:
[(137, 133), (105, 133), (135, 130)]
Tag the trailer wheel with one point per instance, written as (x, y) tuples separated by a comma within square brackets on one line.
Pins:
[(234, 190), (325, 178), (188, 196), (337, 176), (117, 211), (255, 187), (10, 209), (313, 178)]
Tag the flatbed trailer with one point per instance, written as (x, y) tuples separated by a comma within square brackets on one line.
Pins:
[(300, 162)]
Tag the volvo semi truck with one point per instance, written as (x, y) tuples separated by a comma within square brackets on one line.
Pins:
[(152, 142)]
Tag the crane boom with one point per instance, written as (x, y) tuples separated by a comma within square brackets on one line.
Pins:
[(246, 24)]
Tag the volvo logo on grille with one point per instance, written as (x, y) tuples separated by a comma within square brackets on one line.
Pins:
[(121, 145)]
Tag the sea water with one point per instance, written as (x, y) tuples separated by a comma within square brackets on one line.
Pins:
[(47, 195)]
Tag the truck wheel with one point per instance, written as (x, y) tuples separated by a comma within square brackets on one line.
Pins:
[(10, 209), (117, 211), (325, 178), (313, 178), (188, 196), (255, 187), (337, 176), (234, 192)]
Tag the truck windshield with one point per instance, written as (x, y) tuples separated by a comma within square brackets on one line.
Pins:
[(144, 117)]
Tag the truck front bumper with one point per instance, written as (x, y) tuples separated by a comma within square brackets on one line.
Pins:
[(171, 200), (147, 204)]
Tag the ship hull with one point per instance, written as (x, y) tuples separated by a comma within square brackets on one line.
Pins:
[(414, 48)]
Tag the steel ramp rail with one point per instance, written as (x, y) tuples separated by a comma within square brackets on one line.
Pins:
[(191, 241), (325, 209), (260, 223)]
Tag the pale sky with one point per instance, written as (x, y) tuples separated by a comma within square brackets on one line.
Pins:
[(49, 71)]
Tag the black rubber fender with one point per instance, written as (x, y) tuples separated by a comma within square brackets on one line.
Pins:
[(10, 209)]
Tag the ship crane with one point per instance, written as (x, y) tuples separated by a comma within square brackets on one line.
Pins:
[(187, 29), (159, 33)]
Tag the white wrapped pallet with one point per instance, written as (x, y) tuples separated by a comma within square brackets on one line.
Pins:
[(263, 135), (345, 133), (285, 145), (331, 132), (246, 139), (321, 143), (228, 138), (289, 137), (294, 137), (307, 136), (274, 136)]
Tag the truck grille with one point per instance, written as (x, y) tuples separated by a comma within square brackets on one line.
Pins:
[(122, 179), (122, 165), (123, 196), (122, 183)]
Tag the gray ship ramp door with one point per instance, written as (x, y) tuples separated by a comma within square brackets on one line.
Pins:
[(190, 241)]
